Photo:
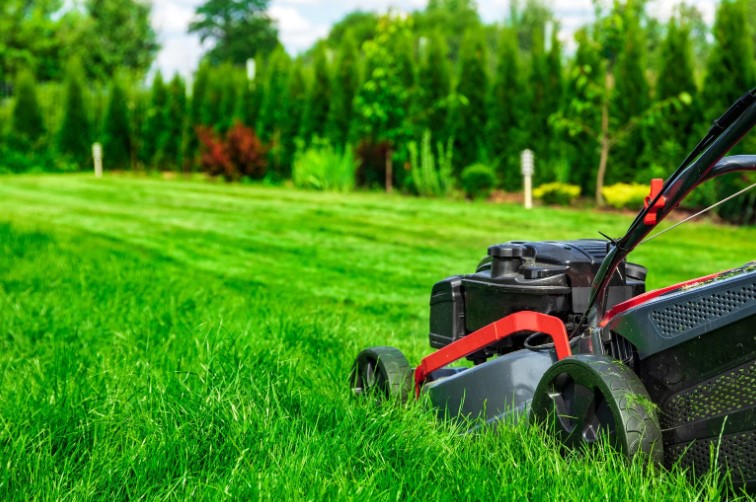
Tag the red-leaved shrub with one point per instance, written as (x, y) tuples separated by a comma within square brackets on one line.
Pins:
[(239, 154)]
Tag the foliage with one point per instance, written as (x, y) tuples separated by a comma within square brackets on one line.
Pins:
[(155, 127), (468, 119), (625, 195), (507, 103), (730, 71), (113, 35), (478, 181), (28, 125), (345, 84), (382, 100), (172, 147), (239, 154), (434, 87), (319, 100), (561, 194), (428, 178), (74, 135), (117, 139), (239, 29), (322, 167)]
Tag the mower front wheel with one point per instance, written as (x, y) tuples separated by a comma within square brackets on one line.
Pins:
[(383, 372), (586, 397)]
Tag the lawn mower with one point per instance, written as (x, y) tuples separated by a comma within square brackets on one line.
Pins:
[(564, 335)]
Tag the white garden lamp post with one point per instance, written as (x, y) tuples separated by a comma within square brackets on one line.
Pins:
[(97, 157), (527, 165)]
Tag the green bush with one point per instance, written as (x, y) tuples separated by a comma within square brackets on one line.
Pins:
[(427, 179), (478, 181), (561, 194), (322, 167), (625, 195)]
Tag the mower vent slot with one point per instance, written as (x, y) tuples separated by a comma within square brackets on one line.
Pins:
[(621, 349), (684, 316), (736, 451), (727, 393)]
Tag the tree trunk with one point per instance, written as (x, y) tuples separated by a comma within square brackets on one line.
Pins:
[(605, 141), (389, 170)]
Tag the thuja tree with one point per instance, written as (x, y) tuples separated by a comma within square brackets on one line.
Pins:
[(174, 141), (730, 72), (275, 109), (155, 124), (345, 83), (74, 137), (434, 87), (28, 124), (116, 131), (468, 119), (507, 101), (319, 100)]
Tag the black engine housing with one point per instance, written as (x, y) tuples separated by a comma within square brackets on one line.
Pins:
[(552, 277)]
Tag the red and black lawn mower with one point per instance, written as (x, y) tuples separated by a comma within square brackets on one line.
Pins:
[(563, 332)]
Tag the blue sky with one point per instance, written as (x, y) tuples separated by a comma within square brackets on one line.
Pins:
[(301, 22)]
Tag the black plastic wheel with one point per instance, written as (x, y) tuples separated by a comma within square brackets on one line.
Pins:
[(383, 372), (585, 397)]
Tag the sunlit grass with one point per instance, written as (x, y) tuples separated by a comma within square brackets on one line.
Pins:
[(190, 340)]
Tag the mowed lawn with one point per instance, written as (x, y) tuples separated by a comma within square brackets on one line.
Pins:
[(193, 340)]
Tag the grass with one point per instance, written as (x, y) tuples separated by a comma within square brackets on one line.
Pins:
[(189, 340)]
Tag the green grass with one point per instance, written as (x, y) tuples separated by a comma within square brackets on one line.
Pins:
[(189, 340)]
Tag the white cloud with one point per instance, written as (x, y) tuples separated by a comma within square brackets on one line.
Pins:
[(296, 31)]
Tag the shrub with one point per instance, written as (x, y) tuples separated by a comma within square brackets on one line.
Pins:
[(240, 154), (324, 168), (561, 194), (478, 180), (427, 180), (625, 195)]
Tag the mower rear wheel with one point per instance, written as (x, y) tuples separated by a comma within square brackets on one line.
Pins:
[(586, 397), (383, 372)]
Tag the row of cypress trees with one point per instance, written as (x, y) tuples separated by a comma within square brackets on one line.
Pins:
[(494, 98)]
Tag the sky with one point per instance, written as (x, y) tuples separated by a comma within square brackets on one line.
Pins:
[(301, 22)]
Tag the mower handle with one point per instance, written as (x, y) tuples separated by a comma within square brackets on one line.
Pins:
[(701, 165)]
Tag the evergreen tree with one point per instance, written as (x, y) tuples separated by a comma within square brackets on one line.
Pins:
[(173, 146), (296, 103), (75, 134), (434, 88), (155, 124), (730, 72), (273, 110), (631, 100), (28, 125), (537, 118), (583, 102), (469, 116), (553, 103), (345, 83), (319, 100), (676, 130), (195, 118), (507, 102), (730, 68), (116, 131)]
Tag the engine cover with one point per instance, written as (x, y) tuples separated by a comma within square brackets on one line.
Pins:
[(552, 277)]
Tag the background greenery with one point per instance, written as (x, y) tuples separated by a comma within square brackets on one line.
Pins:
[(193, 340), (377, 83)]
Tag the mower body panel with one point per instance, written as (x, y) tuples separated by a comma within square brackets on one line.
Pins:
[(695, 351), (500, 388)]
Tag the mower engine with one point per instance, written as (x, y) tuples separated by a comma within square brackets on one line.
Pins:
[(551, 277)]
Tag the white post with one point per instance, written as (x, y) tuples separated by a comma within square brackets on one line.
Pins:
[(527, 165), (97, 156), (251, 67)]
